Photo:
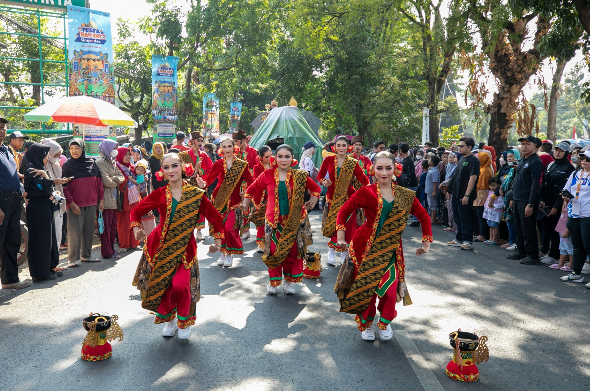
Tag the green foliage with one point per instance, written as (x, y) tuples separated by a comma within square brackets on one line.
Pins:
[(450, 135)]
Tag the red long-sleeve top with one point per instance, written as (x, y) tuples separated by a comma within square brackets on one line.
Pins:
[(206, 163), (218, 172), (161, 199), (329, 167), (250, 155), (364, 162), (258, 169), (366, 198), (268, 181)]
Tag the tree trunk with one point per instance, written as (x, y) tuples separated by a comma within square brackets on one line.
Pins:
[(185, 109), (498, 121), (552, 111), (35, 72), (138, 132)]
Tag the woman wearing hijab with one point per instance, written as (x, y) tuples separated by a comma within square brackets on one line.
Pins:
[(492, 152), (512, 156), (83, 194), (53, 169), (44, 256), (111, 179), (130, 198), (449, 172), (155, 161), (485, 173)]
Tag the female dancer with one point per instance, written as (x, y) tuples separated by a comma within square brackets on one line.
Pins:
[(202, 165), (288, 232), (168, 272), (230, 173), (258, 217), (376, 247), (341, 169)]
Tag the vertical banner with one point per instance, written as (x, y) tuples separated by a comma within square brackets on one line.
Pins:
[(425, 125), (211, 115), (164, 98), (234, 116), (90, 58)]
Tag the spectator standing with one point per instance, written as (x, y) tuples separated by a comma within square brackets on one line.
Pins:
[(493, 210), (179, 142), (578, 222), (482, 188), (155, 162), (17, 141), (83, 194), (10, 209), (378, 146), (554, 178), (129, 200), (449, 172), (53, 169), (111, 179), (462, 189), (431, 186), (512, 156), (525, 196), (43, 257)]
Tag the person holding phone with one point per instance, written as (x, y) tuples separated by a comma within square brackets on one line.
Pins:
[(576, 193)]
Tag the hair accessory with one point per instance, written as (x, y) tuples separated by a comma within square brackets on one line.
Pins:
[(294, 162), (159, 175), (188, 169)]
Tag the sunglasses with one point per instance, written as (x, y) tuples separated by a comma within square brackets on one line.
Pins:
[(584, 158)]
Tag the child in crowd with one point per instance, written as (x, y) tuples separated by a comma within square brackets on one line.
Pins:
[(493, 208), (566, 248), (148, 221), (422, 184), (431, 185)]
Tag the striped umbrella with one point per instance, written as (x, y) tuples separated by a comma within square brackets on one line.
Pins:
[(80, 110)]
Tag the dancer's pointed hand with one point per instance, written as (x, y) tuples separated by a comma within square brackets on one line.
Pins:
[(200, 182), (138, 233), (425, 248), (213, 248)]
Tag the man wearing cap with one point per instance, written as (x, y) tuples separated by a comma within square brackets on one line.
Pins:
[(525, 195), (202, 164), (17, 140), (179, 142), (554, 178), (357, 153), (10, 208)]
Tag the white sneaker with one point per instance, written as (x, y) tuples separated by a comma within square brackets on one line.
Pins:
[(331, 257), (547, 260), (170, 328), (586, 268), (221, 259), (184, 333), (454, 243), (368, 334), (199, 235), (271, 290), (228, 260), (573, 278), (246, 235), (512, 247), (386, 334), (343, 256), (260, 250), (466, 246), (288, 288), (587, 285)]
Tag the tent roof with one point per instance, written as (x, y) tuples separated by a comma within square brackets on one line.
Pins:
[(289, 124)]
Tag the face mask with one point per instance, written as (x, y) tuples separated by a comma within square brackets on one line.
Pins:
[(418, 157), (53, 160), (502, 161), (575, 160), (140, 179), (114, 153)]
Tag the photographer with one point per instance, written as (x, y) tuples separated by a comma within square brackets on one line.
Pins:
[(576, 193), (550, 201)]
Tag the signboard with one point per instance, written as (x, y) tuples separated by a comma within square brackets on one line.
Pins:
[(164, 97), (210, 115), (235, 113), (90, 57), (93, 136), (50, 4), (425, 125)]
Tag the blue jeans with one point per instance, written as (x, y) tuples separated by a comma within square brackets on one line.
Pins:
[(463, 216), (414, 219), (511, 232)]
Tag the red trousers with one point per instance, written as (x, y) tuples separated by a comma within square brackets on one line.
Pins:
[(124, 231), (201, 222), (351, 227), (291, 268), (232, 244), (260, 236), (386, 308), (176, 301)]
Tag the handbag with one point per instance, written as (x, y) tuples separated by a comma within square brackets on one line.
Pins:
[(345, 278), (100, 223)]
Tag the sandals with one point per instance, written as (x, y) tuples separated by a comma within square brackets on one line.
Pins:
[(492, 243), (90, 260), (555, 266), (59, 269), (565, 268)]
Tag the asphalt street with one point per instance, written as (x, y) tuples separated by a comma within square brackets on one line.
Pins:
[(538, 328)]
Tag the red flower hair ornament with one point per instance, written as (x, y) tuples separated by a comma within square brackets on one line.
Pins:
[(349, 150), (159, 175), (188, 170), (273, 162)]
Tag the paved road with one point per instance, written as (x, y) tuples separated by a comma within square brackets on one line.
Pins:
[(538, 329)]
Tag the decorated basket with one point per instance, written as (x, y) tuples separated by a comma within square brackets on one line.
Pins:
[(469, 350), (101, 330)]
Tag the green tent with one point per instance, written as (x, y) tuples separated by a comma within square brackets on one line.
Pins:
[(286, 125)]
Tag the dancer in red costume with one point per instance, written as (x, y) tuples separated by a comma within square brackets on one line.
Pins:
[(202, 165), (376, 248), (341, 169), (288, 232), (168, 272), (230, 172), (258, 217), (250, 155)]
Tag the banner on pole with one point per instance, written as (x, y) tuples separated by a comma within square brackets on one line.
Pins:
[(90, 58), (164, 97), (234, 116), (425, 125), (211, 115)]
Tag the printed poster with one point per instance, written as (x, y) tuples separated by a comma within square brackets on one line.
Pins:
[(164, 97), (93, 136), (211, 115), (234, 116)]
